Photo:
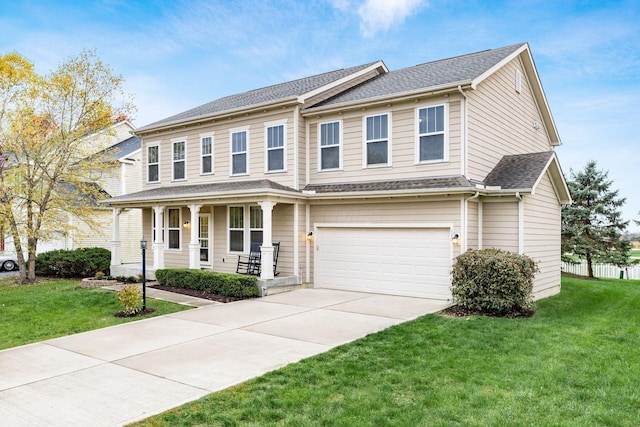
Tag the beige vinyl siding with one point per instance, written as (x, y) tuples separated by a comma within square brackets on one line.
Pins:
[(403, 144), (472, 224), (254, 123), (147, 221), (282, 223), (501, 121), (542, 237), (394, 211), (500, 225)]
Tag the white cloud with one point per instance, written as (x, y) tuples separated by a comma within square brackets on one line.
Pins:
[(380, 15)]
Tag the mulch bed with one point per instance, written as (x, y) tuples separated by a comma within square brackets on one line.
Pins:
[(197, 294), (136, 314)]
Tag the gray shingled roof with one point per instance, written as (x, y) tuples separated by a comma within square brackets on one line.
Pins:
[(210, 189), (124, 148), (518, 171), (454, 182), (263, 95), (457, 70)]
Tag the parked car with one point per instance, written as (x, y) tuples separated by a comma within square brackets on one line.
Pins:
[(8, 262)]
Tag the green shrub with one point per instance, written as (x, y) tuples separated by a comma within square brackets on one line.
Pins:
[(226, 284), (82, 262), (494, 282), (130, 298)]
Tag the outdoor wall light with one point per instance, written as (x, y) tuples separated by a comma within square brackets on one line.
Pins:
[(186, 224), (310, 235), (455, 239)]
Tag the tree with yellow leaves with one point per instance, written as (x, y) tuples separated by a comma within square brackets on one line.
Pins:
[(53, 133)]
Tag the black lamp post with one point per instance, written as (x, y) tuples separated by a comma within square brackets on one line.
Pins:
[(143, 247)]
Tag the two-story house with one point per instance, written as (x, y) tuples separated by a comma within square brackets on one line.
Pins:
[(371, 180)]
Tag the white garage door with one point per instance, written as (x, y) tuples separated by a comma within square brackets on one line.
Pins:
[(397, 261)]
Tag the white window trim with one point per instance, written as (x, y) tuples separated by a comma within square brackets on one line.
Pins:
[(416, 116), (246, 229), (175, 141), (268, 125), (364, 142), (518, 81), (179, 228), (340, 146), (146, 154), (212, 154), (245, 218), (231, 153)]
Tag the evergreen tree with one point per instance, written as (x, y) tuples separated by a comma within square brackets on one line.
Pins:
[(592, 227)]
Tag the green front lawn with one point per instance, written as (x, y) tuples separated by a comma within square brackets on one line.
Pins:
[(54, 308), (575, 363)]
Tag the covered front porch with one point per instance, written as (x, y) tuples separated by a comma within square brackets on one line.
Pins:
[(210, 226)]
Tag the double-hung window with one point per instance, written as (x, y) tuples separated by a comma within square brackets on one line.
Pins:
[(377, 143), (431, 134), (206, 154), (330, 146), (173, 227), (275, 136), (179, 154), (239, 152), (244, 231), (255, 224), (153, 163), (236, 229)]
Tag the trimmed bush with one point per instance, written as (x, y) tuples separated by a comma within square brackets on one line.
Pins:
[(130, 298), (82, 262), (494, 282), (226, 284)]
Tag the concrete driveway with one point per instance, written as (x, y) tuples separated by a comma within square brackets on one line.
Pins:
[(116, 375)]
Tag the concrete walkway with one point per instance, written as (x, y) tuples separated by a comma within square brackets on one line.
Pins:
[(120, 374)]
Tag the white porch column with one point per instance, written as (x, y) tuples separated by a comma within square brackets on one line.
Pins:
[(116, 244), (194, 243), (266, 271), (158, 243)]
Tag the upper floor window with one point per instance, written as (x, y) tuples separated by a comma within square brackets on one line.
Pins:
[(153, 163), (431, 134), (239, 152), (329, 146), (377, 143), (173, 227), (179, 160), (206, 154), (275, 148)]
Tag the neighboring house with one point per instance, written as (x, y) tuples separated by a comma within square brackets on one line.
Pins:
[(123, 146), (371, 180)]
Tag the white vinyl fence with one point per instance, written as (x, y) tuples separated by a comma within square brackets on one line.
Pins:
[(603, 270)]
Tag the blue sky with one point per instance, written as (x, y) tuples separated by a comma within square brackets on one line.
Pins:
[(178, 54)]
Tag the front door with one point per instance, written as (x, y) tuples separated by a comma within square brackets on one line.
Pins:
[(204, 240)]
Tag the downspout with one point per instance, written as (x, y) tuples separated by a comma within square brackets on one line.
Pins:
[(520, 223), (463, 131), (465, 229), (296, 160)]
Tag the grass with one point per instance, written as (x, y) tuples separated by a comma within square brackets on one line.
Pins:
[(575, 363), (54, 308), (635, 253)]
